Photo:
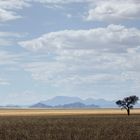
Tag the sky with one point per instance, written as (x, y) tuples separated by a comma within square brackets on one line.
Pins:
[(83, 48)]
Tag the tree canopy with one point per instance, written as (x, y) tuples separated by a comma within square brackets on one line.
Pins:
[(128, 103)]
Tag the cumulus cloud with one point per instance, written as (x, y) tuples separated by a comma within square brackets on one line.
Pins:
[(98, 10), (8, 7), (104, 10), (95, 56), (8, 15), (11, 4), (58, 73), (114, 38), (112, 10), (86, 69)]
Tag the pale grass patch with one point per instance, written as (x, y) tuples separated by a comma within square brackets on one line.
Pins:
[(34, 112)]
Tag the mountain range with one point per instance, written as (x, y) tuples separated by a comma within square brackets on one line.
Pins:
[(73, 102), (70, 102), (71, 105)]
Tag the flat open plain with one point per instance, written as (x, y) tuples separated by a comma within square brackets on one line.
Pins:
[(58, 112), (72, 124)]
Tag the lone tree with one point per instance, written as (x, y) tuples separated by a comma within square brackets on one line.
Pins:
[(128, 103)]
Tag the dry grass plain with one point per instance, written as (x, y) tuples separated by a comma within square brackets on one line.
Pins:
[(96, 124), (59, 112)]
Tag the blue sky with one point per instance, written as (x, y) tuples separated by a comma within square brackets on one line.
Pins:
[(84, 48)]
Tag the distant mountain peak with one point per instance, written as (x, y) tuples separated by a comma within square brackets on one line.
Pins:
[(63, 100), (71, 105), (60, 100)]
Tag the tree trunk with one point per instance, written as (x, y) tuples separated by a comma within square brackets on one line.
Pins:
[(128, 111)]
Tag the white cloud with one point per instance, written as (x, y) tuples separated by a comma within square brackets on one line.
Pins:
[(11, 34), (104, 10), (7, 15), (96, 56), (11, 4), (98, 10), (9, 38), (114, 38), (8, 7), (58, 73), (112, 10), (86, 67)]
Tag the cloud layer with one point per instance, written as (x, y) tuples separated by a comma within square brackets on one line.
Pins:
[(112, 10), (103, 56), (80, 49), (101, 10), (8, 7), (114, 38)]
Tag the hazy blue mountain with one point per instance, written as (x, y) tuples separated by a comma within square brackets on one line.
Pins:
[(12, 106), (77, 105), (61, 100), (71, 105), (71, 102), (40, 105)]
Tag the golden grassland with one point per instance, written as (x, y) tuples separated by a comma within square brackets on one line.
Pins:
[(32, 112), (70, 127), (69, 124)]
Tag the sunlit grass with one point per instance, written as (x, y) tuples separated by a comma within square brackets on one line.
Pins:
[(34, 112), (72, 124)]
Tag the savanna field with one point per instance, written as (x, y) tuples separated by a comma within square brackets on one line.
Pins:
[(69, 125)]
